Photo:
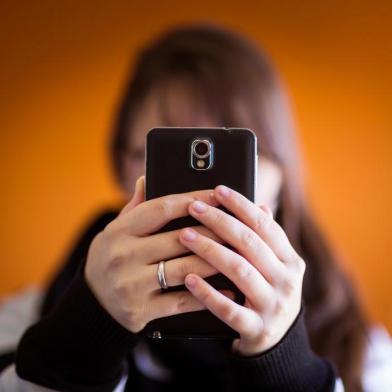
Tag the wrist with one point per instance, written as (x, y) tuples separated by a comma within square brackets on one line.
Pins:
[(289, 365)]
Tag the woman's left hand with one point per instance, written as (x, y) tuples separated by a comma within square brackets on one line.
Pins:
[(265, 267)]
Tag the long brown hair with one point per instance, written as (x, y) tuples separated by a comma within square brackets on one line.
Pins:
[(239, 87)]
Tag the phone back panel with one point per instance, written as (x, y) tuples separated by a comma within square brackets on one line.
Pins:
[(168, 171)]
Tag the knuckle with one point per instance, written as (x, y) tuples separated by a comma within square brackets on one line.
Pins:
[(288, 286), (115, 261), (113, 228), (272, 298), (218, 217), (230, 314), (280, 307), (130, 314), (134, 321), (105, 237), (122, 290), (298, 263), (106, 233), (206, 247), (263, 221), (138, 284), (268, 332), (118, 255), (241, 269), (164, 207), (205, 296), (108, 229), (183, 302), (195, 196), (186, 268), (248, 239), (209, 234)]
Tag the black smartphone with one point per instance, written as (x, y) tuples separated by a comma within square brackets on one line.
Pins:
[(185, 159)]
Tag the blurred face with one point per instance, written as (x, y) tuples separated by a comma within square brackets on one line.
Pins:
[(188, 114)]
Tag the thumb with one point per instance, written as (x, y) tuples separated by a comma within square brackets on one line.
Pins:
[(137, 197)]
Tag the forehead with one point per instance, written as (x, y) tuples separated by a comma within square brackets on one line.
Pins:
[(174, 105)]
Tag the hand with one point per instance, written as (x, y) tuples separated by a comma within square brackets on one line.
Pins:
[(266, 269), (121, 267)]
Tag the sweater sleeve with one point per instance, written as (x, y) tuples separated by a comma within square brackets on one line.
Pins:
[(290, 365), (77, 347)]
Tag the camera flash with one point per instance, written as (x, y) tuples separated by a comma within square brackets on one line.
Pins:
[(200, 163)]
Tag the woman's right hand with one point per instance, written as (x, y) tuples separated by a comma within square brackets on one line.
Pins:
[(121, 267)]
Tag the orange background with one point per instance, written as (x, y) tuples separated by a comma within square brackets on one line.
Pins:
[(61, 69)]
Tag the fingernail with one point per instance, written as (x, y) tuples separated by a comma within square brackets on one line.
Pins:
[(198, 206), (190, 281), (189, 234), (223, 190)]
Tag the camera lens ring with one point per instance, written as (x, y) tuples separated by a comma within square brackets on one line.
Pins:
[(197, 142)]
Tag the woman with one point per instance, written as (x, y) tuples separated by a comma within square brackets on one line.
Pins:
[(88, 336)]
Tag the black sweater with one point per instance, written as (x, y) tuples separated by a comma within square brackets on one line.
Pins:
[(78, 346)]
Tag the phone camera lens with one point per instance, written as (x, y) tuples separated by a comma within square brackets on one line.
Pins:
[(201, 148), (202, 153)]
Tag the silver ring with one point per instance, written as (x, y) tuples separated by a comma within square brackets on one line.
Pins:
[(161, 275)]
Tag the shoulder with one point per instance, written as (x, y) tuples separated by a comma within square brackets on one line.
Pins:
[(17, 311), (377, 372)]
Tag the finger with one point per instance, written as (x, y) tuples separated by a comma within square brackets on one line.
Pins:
[(176, 269), (150, 216), (267, 210), (176, 302), (165, 246), (242, 238), (137, 197), (140, 195), (242, 273), (258, 219), (243, 320)]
